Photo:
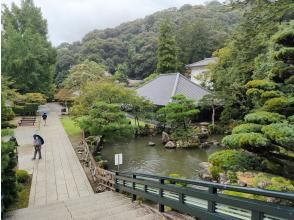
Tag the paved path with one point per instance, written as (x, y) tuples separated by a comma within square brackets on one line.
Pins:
[(58, 176)]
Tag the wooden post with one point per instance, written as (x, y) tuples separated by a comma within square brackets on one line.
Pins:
[(256, 215), (211, 204), (115, 182), (134, 184), (161, 207)]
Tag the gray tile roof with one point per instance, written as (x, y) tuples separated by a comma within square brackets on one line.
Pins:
[(204, 62), (161, 89)]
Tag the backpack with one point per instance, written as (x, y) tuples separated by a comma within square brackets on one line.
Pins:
[(44, 116)]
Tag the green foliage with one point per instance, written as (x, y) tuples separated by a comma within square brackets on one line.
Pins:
[(233, 160), (106, 120), (178, 113), (7, 132), (232, 176), (176, 175), (37, 98), (281, 184), (26, 109), (245, 140), (280, 133), (167, 51), (8, 177), (28, 57), (261, 84), (121, 73), (22, 176), (239, 64), (264, 117), (278, 104), (215, 171), (81, 73), (271, 94), (291, 119), (105, 91), (151, 77), (247, 128)]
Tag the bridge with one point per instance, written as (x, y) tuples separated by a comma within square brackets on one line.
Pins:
[(61, 190)]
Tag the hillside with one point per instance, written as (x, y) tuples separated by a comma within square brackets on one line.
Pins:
[(199, 30)]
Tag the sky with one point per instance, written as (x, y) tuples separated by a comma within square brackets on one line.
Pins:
[(70, 20)]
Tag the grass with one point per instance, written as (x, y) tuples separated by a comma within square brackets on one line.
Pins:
[(7, 132), (70, 126)]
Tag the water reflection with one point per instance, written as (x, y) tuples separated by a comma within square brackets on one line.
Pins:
[(138, 157)]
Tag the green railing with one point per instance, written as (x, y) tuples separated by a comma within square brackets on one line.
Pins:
[(205, 200)]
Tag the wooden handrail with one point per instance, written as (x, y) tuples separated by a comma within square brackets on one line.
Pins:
[(208, 203)]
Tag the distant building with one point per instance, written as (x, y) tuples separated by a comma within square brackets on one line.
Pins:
[(200, 68), (161, 89)]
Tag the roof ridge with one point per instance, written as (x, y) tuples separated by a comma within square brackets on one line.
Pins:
[(175, 86)]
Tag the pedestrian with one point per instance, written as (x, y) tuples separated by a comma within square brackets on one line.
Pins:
[(37, 146), (44, 116)]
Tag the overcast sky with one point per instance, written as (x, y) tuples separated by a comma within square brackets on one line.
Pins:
[(70, 20)]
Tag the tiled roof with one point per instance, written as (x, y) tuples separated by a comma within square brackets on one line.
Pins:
[(204, 62), (161, 89)]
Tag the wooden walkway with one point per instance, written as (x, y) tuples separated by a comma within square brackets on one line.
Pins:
[(58, 176)]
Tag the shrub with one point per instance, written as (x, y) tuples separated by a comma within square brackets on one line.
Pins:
[(291, 119), (176, 175), (7, 132), (280, 133), (8, 177), (27, 109), (281, 184), (215, 171), (261, 84), (276, 104), (232, 176), (247, 128), (232, 160), (6, 124), (37, 98), (264, 117), (271, 94), (22, 176), (245, 140)]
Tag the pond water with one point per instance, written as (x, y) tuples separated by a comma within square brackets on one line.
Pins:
[(138, 157)]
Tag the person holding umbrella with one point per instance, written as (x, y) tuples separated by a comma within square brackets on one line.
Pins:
[(38, 142)]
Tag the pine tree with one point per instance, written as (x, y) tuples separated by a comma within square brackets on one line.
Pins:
[(167, 50)]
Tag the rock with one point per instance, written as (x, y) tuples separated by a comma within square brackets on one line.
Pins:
[(150, 143), (263, 184), (204, 145), (164, 137), (241, 183), (170, 145), (204, 171), (223, 178), (204, 124)]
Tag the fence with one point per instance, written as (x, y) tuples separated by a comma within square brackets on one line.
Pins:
[(203, 199)]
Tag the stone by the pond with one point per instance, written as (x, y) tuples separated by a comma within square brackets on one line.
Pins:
[(170, 144), (165, 137), (204, 172), (150, 143)]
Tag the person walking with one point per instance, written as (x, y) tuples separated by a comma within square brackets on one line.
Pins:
[(37, 145), (44, 116)]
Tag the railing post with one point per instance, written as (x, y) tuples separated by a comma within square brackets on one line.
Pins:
[(256, 215), (134, 184), (161, 207), (211, 204), (115, 182)]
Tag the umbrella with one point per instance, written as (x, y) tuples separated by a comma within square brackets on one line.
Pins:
[(42, 140)]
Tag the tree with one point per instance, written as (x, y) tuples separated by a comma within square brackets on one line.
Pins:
[(178, 114), (28, 57), (213, 101), (167, 51), (268, 131), (107, 121), (82, 73), (105, 91), (121, 73), (238, 63)]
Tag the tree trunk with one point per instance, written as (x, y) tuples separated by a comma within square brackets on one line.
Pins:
[(213, 115)]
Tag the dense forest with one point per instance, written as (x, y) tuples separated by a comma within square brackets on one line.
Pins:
[(198, 31)]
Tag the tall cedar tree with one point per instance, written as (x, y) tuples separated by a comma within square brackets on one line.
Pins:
[(167, 50), (27, 56)]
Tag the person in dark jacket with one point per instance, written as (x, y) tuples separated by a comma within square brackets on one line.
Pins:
[(44, 116), (37, 146)]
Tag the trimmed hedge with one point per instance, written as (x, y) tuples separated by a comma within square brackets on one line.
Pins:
[(26, 110)]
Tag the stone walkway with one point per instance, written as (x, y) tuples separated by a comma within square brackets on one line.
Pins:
[(58, 176)]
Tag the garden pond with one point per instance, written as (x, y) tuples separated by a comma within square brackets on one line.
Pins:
[(138, 157)]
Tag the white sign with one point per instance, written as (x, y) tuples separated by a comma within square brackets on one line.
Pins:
[(118, 159)]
